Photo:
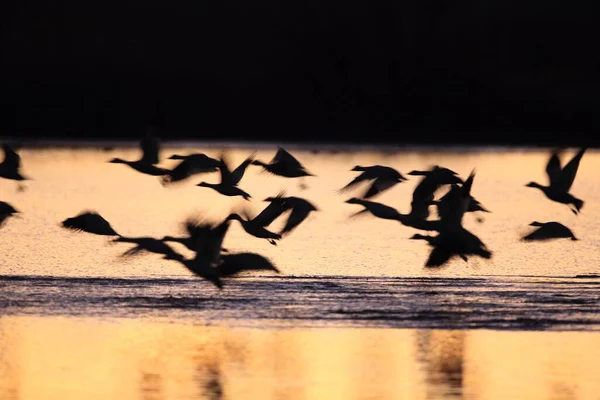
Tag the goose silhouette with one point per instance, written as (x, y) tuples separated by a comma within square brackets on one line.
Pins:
[(453, 239), (300, 210), (229, 180), (91, 222), (147, 244), (382, 177), (414, 219), (10, 167), (190, 165), (233, 264), (549, 230), (6, 211), (561, 180), (286, 165), (253, 228), (150, 146), (209, 239)]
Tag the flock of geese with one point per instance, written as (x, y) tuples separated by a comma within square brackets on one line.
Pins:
[(205, 238)]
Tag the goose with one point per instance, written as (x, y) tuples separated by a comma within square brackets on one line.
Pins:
[(209, 239), (228, 185), (413, 219), (433, 242), (148, 244), (453, 239), (10, 167), (187, 241), (150, 146), (6, 211), (232, 264), (561, 180), (286, 165), (301, 208), (383, 179), (190, 165), (439, 173), (91, 222), (254, 228), (549, 230)]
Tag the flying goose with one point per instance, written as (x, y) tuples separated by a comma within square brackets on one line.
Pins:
[(10, 167), (286, 165), (91, 222), (229, 180), (383, 179), (414, 219), (190, 165), (6, 211), (561, 180), (147, 244), (209, 239), (254, 228), (300, 209), (232, 264), (150, 146), (549, 230), (453, 239)]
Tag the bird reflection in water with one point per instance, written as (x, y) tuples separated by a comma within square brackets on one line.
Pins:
[(210, 380), (151, 386), (442, 355)]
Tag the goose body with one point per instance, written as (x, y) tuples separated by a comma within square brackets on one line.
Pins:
[(147, 244), (6, 211), (382, 177), (549, 230), (300, 210), (190, 165), (284, 164), (453, 239), (413, 219), (91, 222), (228, 185), (10, 167), (255, 229), (208, 241), (150, 147), (233, 264), (560, 181)]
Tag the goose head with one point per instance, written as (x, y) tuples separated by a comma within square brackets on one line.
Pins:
[(358, 168), (534, 185), (117, 160), (536, 223), (177, 157)]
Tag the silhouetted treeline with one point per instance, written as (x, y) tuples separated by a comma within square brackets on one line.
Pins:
[(404, 71)]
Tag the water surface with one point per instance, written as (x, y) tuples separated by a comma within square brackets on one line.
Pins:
[(354, 314)]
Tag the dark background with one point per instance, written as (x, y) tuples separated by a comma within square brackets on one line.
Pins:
[(416, 71)]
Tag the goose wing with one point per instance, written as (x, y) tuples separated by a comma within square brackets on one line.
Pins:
[(270, 213), (150, 146), (365, 176), (566, 177), (12, 159), (296, 217), (438, 256), (238, 173), (284, 157), (379, 185), (553, 169), (226, 176)]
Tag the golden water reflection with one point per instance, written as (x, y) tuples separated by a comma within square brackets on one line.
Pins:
[(87, 358)]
